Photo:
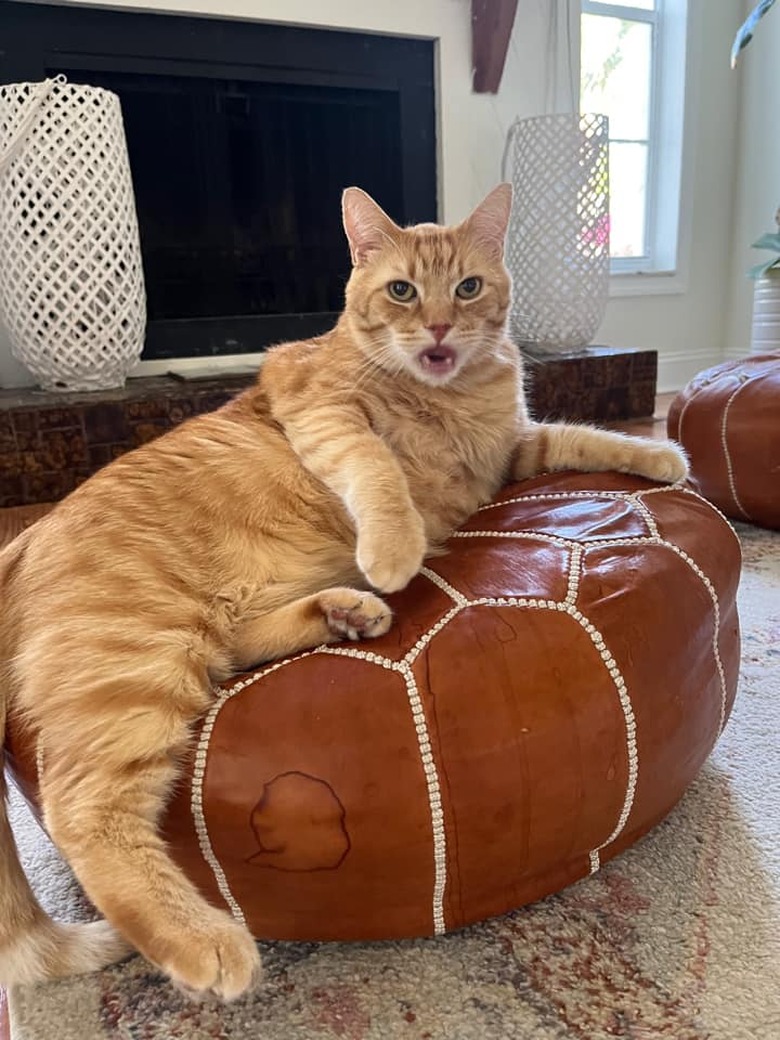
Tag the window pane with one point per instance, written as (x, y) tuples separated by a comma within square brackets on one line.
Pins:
[(643, 5), (615, 61), (627, 199)]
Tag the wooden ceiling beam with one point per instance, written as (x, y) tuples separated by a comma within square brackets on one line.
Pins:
[(491, 27)]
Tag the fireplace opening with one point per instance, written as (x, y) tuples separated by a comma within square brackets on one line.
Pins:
[(241, 137), (237, 188)]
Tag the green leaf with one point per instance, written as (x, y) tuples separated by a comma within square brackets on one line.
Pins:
[(761, 269), (748, 27), (769, 241)]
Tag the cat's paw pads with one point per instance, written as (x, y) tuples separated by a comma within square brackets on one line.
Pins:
[(221, 960), (668, 463), (355, 615)]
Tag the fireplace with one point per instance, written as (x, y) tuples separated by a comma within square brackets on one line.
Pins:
[(241, 137)]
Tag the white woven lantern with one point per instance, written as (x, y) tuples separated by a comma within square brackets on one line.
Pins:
[(558, 239), (71, 281)]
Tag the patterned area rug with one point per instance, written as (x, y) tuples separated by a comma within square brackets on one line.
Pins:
[(679, 937)]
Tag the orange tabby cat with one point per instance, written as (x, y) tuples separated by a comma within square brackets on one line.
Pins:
[(244, 535)]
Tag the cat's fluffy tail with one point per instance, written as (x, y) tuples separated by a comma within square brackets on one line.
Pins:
[(32, 946)]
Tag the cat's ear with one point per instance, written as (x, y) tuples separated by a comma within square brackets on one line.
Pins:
[(367, 225), (489, 221)]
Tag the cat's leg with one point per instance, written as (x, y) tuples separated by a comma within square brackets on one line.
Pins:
[(341, 449), (547, 447), (33, 947), (108, 766), (325, 617)]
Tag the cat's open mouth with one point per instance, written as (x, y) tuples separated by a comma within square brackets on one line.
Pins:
[(438, 360)]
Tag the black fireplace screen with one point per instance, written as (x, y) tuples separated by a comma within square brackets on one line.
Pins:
[(241, 138), (237, 188)]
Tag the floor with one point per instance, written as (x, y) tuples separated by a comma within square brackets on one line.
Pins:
[(14, 520)]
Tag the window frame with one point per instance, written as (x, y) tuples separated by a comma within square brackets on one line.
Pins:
[(666, 121)]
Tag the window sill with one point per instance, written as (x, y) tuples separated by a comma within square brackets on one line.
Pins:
[(647, 283)]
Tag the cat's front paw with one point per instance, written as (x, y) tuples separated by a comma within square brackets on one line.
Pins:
[(355, 615), (217, 956), (665, 461), (390, 559)]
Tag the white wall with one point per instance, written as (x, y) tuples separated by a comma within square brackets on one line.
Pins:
[(688, 329), (758, 183)]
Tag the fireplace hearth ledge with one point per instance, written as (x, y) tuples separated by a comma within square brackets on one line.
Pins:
[(51, 442)]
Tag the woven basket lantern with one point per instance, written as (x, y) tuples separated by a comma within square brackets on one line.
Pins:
[(558, 240), (71, 281)]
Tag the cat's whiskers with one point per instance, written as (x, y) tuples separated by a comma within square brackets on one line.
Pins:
[(364, 374), (383, 357), (478, 339)]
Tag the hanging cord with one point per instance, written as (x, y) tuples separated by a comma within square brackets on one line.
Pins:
[(561, 91), (510, 136), (551, 78), (36, 99)]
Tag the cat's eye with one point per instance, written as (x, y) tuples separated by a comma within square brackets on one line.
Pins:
[(402, 291), (469, 288)]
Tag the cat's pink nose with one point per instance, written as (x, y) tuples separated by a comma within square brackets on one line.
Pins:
[(439, 331)]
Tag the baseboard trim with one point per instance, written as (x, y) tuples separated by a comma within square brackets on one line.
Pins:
[(676, 369)]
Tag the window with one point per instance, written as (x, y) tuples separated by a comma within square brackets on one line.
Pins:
[(632, 68)]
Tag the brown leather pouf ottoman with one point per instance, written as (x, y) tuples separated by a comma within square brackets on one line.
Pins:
[(547, 693), (728, 420)]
